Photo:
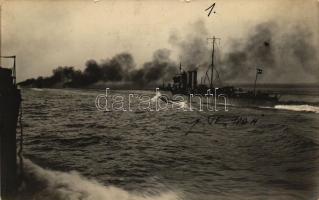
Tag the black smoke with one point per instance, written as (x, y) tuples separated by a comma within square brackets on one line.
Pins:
[(286, 54), (161, 68), (120, 68), (255, 51), (193, 49), (117, 68)]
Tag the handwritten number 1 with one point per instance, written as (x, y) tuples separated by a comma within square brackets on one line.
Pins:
[(211, 9)]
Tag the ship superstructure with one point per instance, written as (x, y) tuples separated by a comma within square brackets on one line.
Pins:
[(185, 82)]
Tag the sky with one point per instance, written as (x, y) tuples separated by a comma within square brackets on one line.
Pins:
[(47, 34)]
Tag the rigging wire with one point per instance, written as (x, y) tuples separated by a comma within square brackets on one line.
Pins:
[(218, 77)]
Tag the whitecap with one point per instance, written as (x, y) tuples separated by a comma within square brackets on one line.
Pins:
[(300, 108), (56, 185)]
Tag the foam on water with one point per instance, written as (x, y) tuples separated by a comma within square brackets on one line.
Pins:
[(181, 104), (37, 89), (302, 108), (72, 186), (177, 104), (157, 95)]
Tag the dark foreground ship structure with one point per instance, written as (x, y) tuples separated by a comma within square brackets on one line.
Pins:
[(186, 83), (10, 99)]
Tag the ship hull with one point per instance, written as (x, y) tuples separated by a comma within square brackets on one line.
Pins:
[(204, 101)]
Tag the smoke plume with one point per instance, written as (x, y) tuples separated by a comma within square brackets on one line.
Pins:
[(161, 68), (285, 53), (193, 49)]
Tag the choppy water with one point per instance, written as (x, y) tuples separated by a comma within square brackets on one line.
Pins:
[(75, 152)]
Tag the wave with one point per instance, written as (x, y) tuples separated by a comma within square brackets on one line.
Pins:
[(55, 185), (294, 102), (167, 100), (157, 95), (300, 108), (299, 100), (180, 104), (37, 89)]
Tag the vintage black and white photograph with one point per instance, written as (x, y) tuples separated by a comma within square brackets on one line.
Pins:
[(159, 99)]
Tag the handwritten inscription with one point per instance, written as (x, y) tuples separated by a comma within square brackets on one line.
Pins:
[(210, 8), (225, 121)]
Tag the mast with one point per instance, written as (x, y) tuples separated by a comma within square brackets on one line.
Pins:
[(258, 71), (212, 65), (255, 83), (212, 72)]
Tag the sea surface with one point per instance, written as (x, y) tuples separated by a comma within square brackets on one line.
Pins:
[(73, 151)]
